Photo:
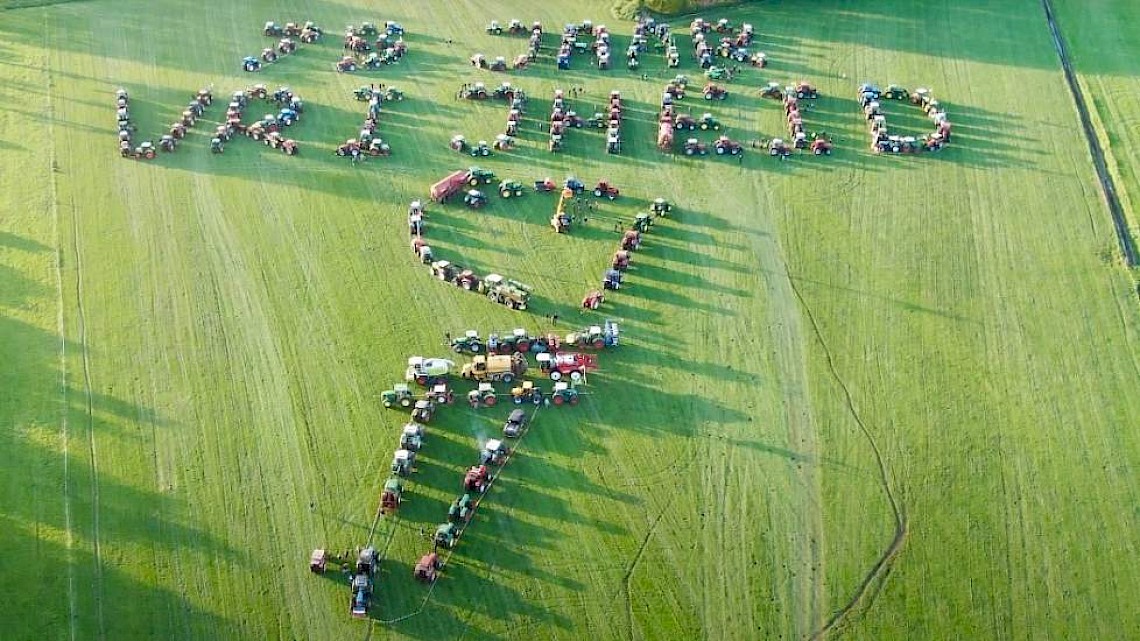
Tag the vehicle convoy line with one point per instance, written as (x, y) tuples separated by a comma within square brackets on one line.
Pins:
[(1107, 186), (459, 537)]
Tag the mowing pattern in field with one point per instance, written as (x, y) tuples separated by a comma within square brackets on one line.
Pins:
[(194, 347)]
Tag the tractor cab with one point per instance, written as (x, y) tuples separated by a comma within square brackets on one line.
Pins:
[(494, 453), (366, 561), (446, 535), (423, 411), (427, 567), (318, 560), (412, 437), (403, 462), (390, 496)]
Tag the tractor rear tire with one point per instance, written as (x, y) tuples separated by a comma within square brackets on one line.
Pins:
[(505, 194), (522, 346), (490, 400), (575, 376), (405, 402), (574, 399), (599, 344), (558, 399), (597, 193), (555, 375), (508, 377)]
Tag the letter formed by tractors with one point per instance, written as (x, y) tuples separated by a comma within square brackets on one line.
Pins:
[(495, 368)]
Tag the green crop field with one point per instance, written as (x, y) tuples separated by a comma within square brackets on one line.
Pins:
[(860, 396)]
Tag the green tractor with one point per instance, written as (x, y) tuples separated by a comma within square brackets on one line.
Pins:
[(895, 92), (707, 122), (398, 395), (510, 188), (461, 510), (363, 93), (642, 222), (446, 535), (716, 73), (478, 175), (468, 343), (661, 207), (392, 93), (563, 394)]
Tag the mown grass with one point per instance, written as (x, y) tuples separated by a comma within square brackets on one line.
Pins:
[(196, 346)]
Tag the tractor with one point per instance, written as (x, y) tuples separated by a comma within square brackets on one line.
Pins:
[(427, 371), (318, 561), (869, 93), (468, 343), (482, 396), (714, 91), (620, 260), (777, 147), (480, 150), (477, 91), (612, 279), (446, 535), (716, 73), (412, 437), (772, 90), (440, 394), (595, 336), (346, 64), (685, 122), (725, 145), (466, 280), (604, 188), (895, 92), (661, 207), (505, 92), (459, 143), (642, 221), (821, 146), (474, 199), (708, 122), (398, 395), (509, 188), (631, 240), (494, 28), (525, 393), (694, 147), (563, 394), (216, 145), (505, 368), (805, 91), (461, 510), (507, 292), (476, 479), (423, 411), (571, 364), (273, 30), (519, 340), (593, 300), (403, 462), (477, 175), (361, 599), (498, 64), (515, 27), (503, 142), (427, 568), (495, 452), (391, 496), (250, 64), (560, 222), (574, 185)]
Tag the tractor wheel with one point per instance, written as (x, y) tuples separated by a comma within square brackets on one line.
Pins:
[(555, 375), (599, 344), (704, 126), (598, 193), (468, 285), (508, 377), (573, 399), (475, 347), (558, 399), (522, 346), (517, 400), (490, 400), (708, 96), (720, 151), (537, 400), (405, 402), (457, 348), (688, 152), (505, 193), (473, 182), (387, 403), (575, 376)]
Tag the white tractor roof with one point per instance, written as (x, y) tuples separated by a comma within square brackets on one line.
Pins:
[(485, 387), (401, 455), (595, 329), (561, 385), (415, 360), (494, 444), (493, 278), (412, 429), (471, 333), (543, 357), (518, 331)]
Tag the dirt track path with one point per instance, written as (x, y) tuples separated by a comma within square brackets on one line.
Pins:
[(1107, 186)]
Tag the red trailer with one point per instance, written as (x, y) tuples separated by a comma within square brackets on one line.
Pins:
[(454, 183)]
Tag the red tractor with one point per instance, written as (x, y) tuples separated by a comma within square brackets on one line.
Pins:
[(620, 260), (604, 188), (821, 146), (428, 567), (805, 91), (476, 479), (390, 497), (694, 147), (593, 300), (725, 145), (572, 364), (631, 240), (713, 91)]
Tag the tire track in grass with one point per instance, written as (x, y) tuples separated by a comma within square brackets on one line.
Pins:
[(873, 581), (61, 328), (1104, 177), (85, 360)]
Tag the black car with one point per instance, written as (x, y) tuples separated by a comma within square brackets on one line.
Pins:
[(515, 423)]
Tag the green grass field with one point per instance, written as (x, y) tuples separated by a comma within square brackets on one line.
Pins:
[(861, 397)]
